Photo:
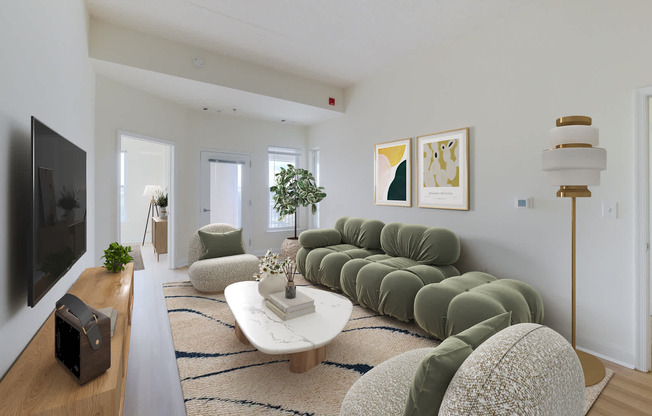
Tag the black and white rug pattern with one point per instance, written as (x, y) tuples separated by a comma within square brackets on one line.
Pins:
[(221, 376)]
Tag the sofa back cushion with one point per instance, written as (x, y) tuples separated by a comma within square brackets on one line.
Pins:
[(426, 245), (360, 232), (438, 368)]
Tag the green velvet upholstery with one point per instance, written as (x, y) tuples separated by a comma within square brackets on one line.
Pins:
[(453, 305), (221, 244), (325, 251), (415, 255), (437, 369)]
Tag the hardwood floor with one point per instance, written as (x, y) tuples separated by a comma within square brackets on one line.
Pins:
[(153, 386), (628, 393)]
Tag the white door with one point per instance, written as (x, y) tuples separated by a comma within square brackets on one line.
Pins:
[(224, 195)]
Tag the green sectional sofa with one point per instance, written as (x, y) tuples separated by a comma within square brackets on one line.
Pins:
[(407, 271)]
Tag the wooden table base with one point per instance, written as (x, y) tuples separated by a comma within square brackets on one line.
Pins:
[(300, 362)]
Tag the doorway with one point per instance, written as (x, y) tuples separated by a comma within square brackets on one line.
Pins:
[(144, 161), (642, 260), (224, 195)]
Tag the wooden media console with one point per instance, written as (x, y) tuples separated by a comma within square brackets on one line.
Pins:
[(37, 384)]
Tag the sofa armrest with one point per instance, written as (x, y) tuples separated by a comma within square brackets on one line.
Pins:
[(320, 238)]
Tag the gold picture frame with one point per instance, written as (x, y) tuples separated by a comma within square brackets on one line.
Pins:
[(443, 170), (393, 173)]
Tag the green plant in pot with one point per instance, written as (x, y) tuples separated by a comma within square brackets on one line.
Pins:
[(116, 256), (294, 188), (161, 199)]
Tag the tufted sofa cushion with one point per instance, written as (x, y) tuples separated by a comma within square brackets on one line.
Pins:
[(324, 251), (526, 369), (453, 305), (415, 255)]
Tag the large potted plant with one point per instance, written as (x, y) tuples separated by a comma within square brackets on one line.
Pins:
[(294, 188)]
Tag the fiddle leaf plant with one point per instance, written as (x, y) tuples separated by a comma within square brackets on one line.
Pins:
[(293, 188), (116, 256)]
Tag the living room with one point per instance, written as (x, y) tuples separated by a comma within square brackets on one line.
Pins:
[(507, 79)]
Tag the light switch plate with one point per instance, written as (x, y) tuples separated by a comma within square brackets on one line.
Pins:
[(610, 210), (521, 202)]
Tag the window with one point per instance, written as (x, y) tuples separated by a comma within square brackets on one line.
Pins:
[(279, 157), (314, 168)]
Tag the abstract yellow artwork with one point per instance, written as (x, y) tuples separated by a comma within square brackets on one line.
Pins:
[(392, 171), (443, 170)]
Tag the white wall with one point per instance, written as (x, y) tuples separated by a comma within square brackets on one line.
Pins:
[(147, 163), (45, 72), (119, 107), (508, 82)]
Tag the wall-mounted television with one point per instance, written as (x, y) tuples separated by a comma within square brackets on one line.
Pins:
[(58, 209)]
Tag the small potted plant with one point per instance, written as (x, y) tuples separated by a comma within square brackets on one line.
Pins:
[(116, 256), (161, 200), (68, 201)]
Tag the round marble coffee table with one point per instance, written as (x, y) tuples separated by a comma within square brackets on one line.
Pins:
[(304, 338)]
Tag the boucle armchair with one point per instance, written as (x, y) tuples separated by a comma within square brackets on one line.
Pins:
[(215, 274), (525, 369)]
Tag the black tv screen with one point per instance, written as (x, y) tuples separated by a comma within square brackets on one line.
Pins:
[(58, 208)]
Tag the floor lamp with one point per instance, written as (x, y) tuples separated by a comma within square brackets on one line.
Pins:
[(573, 164), (150, 190)]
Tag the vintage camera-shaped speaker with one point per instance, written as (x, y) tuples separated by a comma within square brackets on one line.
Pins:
[(82, 338)]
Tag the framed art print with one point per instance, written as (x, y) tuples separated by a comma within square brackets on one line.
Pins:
[(392, 173), (443, 170)]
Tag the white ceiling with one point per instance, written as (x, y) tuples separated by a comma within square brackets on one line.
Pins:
[(338, 42)]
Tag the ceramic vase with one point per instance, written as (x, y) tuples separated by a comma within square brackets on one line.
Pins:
[(271, 283)]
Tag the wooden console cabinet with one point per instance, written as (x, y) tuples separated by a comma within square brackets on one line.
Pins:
[(160, 236), (37, 384)]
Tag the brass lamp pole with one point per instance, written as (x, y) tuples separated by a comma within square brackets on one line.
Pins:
[(574, 161)]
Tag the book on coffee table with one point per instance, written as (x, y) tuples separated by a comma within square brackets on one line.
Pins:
[(285, 305), (289, 315)]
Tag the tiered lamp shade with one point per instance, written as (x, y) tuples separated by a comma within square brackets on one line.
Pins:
[(572, 159)]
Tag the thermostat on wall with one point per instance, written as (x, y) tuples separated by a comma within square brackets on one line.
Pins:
[(521, 202)]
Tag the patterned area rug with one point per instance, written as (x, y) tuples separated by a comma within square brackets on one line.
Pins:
[(221, 376)]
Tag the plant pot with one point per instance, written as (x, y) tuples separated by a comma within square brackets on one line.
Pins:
[(271, 283), (290, 248), (163, 212)]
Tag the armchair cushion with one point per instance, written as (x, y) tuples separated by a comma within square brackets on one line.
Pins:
[(221, 244)]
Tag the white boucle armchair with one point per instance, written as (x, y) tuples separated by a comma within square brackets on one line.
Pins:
[(214, 275)]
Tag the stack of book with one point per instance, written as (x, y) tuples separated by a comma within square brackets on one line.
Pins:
[(286, 308)]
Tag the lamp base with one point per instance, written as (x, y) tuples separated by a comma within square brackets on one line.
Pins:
[(593, 368)]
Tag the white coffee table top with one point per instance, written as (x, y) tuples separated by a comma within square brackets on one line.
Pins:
[(272, 335)]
